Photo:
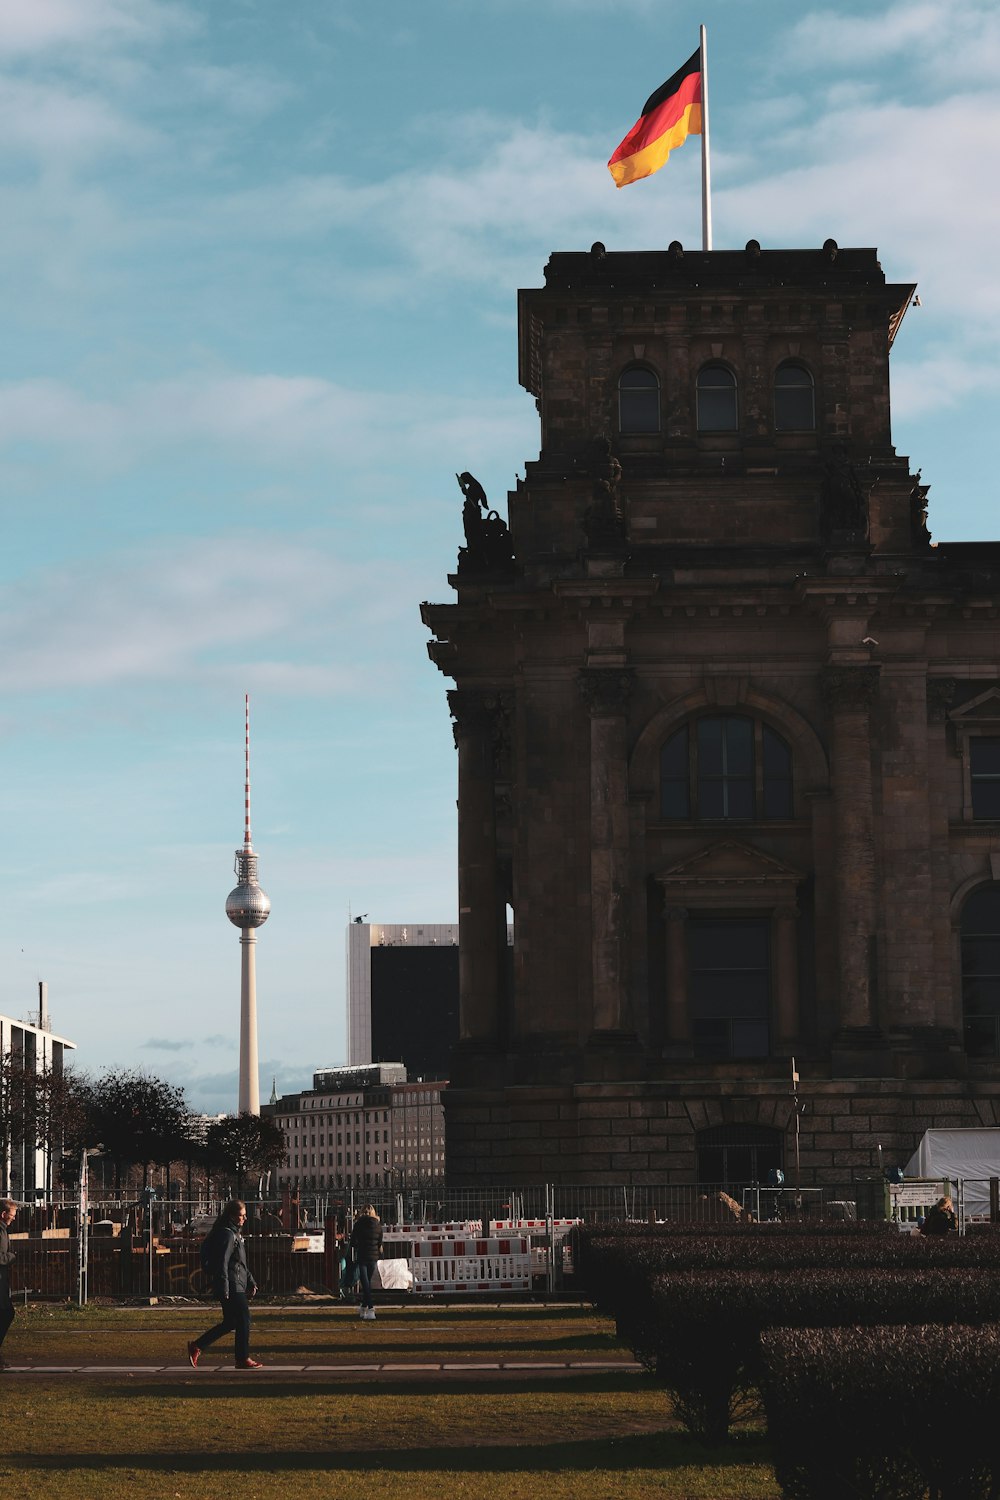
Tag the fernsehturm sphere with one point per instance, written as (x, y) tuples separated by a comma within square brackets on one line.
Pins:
[(248, 908)]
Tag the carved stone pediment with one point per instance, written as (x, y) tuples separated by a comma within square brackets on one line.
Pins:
[(731, 869), (983, 709)]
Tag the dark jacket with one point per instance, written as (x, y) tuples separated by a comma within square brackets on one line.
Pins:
[(6, 1260), (234, 1274), (366, 1237), (939, 1221)]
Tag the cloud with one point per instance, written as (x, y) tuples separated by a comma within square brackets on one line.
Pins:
[(946, 41), (284, 420), (512, 187), (50, 121), (241, 91), (919, 196), (940, 380), (164, 1044), (216, 1092), (170, 612), (81, 887), (43, 27)]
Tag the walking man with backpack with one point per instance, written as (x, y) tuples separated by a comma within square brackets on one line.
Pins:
[(224, 1259)]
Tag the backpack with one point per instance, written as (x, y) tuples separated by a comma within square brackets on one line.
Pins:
[(211, 1252)]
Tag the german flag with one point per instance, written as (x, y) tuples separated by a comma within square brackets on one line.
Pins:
[(668, 117)]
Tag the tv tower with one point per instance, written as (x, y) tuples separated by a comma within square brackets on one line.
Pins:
[(248, 908)]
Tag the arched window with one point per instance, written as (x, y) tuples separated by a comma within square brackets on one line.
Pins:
[(638, 400), (726, 767), (737, 1155), (981, 971), (794, 399), (717, 406)]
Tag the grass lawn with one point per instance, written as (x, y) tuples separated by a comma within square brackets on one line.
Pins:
[(196, 1438)]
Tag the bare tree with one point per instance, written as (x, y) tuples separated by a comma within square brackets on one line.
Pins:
[(137, 1118), (246, 1145), (40, 1110)]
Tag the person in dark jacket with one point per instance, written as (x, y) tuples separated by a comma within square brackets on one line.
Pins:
[(8, 1213), (232, 1284), (940, 1219), (366, 1242)]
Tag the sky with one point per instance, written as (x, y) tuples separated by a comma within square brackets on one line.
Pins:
[(258, 274)]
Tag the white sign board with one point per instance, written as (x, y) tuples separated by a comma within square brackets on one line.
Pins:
[(916, 1194)]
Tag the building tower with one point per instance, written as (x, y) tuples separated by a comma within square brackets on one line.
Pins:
[(248, 908), (728, 735)]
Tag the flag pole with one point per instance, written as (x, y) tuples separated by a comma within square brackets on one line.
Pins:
[(706, 166)]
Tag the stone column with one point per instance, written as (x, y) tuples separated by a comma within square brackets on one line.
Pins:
[(478, 895), (606, 691), (947, 995), (678, 1013), (849, 693), (786, 977)]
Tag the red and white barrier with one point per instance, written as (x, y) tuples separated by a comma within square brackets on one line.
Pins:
[(472, 1273)]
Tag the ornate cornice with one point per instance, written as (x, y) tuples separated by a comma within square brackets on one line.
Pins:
[(485, 715), (471, 712)]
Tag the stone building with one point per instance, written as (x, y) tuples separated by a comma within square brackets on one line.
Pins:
[(728, 732), (362, 1127)]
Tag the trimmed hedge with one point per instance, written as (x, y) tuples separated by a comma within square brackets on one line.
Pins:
[(884, 1413), (706, 1327), (602, 1255)]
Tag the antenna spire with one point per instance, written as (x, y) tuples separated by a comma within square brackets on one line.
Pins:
[(247, 907), (246, 828)]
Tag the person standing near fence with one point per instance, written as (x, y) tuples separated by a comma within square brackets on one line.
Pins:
[(366, 1242), (224, 1256), (8, 1213)]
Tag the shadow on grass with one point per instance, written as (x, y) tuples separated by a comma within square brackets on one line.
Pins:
[(582, 1344), (429, 1313), (258, 1387), (646, 1451)]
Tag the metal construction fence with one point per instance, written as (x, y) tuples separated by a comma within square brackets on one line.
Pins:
[(131, 1250)]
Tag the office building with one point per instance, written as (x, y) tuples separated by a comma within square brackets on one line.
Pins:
[(402, 994), (28, 1163), (362, 1127)]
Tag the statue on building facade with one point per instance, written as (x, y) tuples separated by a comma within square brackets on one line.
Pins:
[(918, 512), (844, 504), (604, 518), (487, 539)]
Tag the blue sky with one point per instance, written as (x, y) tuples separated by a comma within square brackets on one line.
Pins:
[(258, 269)]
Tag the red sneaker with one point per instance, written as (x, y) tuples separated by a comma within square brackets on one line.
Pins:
[(249, 1364), (194, 1354)]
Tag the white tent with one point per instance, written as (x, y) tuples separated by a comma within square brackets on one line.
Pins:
[(972, 1155)]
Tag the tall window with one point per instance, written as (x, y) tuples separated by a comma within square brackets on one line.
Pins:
[(984, 770), (726, 767), (716, 393), (794, 399), (737, 1155), (981, 971), (638, 400), (729, 985)]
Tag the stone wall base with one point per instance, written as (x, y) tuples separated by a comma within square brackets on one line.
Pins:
[(606, 1134)]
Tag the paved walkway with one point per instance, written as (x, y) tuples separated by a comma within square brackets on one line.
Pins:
[(369, 1369)]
